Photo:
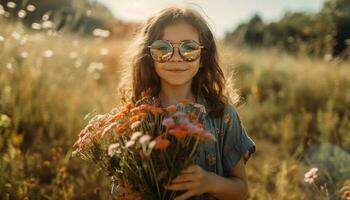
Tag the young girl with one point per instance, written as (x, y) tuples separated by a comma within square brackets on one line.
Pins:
[(175, 58)]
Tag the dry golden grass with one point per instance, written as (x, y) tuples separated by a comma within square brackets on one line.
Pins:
[(289, 105)]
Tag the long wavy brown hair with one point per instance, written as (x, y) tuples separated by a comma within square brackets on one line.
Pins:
[(208, 82)]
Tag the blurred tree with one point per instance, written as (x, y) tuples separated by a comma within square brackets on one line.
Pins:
[(255, 31), (339, 10), (78, 15), (321, 34)]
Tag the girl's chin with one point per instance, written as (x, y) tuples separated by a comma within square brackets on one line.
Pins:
[(176, 82)]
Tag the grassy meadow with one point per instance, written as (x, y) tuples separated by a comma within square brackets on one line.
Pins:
[(296, 109)]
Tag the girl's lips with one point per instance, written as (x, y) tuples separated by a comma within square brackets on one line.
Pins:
[(176, 70)]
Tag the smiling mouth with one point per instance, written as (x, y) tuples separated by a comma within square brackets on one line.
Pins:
[(176, 70)]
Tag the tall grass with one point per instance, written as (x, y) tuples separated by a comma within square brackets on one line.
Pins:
[(291, 106)]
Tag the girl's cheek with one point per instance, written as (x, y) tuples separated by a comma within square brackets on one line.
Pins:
[(193, 64)]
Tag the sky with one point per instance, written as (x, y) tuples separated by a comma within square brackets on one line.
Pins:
[(222, 15)]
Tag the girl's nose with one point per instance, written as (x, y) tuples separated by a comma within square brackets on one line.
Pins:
[(176, 55)]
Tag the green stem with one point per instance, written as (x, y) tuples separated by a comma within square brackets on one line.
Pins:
[(155, 177)]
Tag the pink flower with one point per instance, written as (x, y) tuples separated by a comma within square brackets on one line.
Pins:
[(200, 107), (311, 175), (168, 122), (179, 114), (113, 149)]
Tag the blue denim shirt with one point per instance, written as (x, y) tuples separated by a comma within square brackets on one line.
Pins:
[(233, 143)]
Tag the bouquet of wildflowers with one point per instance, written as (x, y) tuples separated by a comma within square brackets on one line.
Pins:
[(142, 144)]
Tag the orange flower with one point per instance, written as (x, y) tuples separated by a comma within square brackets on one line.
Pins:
[(129, 106), (179, 133), (199, 125), (144, 107), (135, 118), (161, 143), (95, 138), (82, 133), (122, 127), (118, 116), (171, 109), (139, 108), (81, 146), (156, 110)]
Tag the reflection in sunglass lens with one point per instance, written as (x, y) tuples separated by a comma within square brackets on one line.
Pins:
[(190, 51), (161, 51)]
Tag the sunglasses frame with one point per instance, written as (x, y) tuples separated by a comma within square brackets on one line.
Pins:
[(178, 47)]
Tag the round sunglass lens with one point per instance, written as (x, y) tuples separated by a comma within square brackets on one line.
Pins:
[(161, 51), (190, 51)]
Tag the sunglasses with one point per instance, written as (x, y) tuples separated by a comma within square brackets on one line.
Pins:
[(162, 51)]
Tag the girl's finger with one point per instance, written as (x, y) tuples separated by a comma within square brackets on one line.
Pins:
[(180, 186), (191, 169), (186, 195), (185, 178)]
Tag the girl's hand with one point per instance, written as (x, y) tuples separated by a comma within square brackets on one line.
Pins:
[(124, 192), (194, 179)]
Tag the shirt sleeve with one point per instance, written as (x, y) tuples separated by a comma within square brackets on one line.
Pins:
[(236, 142)]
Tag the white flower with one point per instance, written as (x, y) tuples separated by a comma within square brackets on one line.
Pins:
[(2, 38), (23, 40), (129, 143), (48, 53), (201, 107), (31, 8), (16, 35), (135, 124), (73, 54), (11, 4), (311, 175), (47, 24), (2, 11), (75, 43), (104, 51), (95, 66), (113, 149), (9, 66), (108, 128), (36, 26), (136, 135), (144, 139), (5, 121), (22, 13), (152, 144), (24, 54), (51, 32), (101, 33), (45, 17)]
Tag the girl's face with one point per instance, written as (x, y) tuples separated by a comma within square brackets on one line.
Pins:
[(176, 71)]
